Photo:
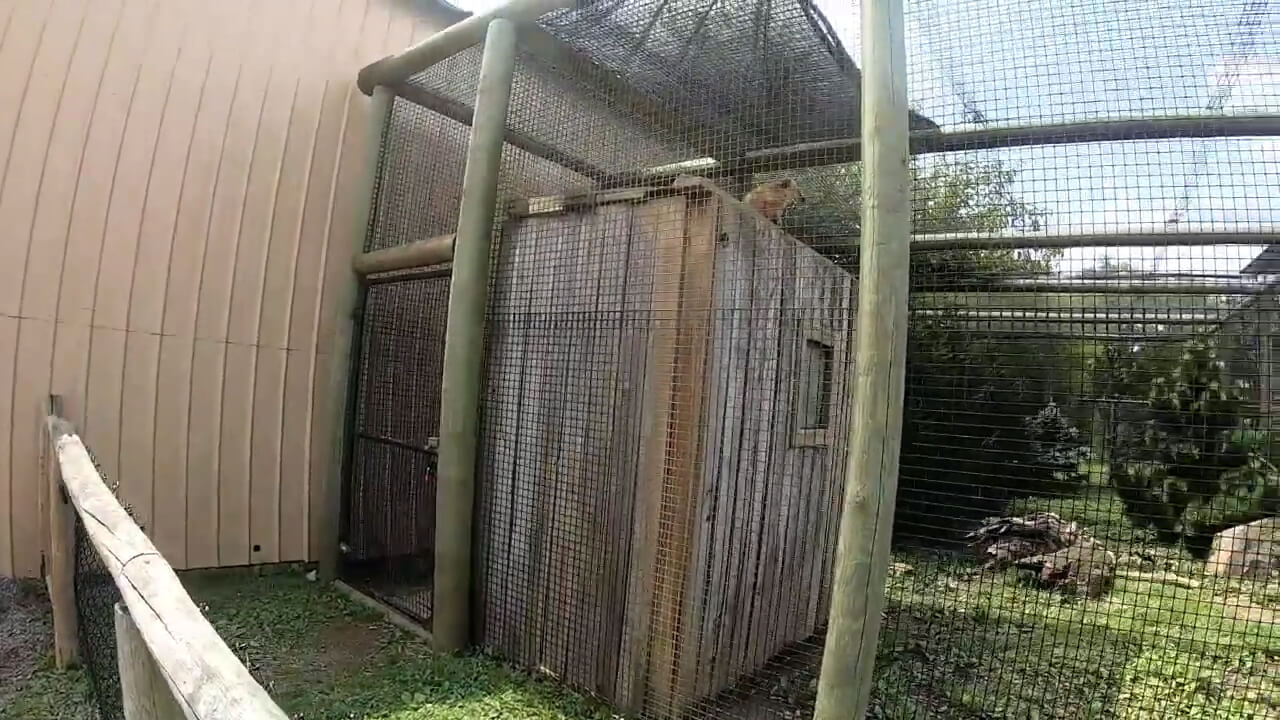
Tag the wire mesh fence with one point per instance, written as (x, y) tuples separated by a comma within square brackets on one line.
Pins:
[(671, 337), (96, 598)]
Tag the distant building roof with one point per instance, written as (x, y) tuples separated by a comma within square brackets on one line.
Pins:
[(1266, 263)]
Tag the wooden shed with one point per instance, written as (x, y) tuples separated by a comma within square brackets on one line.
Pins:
[(647, 530)]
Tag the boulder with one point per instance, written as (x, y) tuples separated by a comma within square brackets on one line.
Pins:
[(1085, 567), (1248, 551)]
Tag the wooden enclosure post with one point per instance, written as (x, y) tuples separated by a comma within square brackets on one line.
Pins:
[(345, 302), (394, 69), (145, 694), (686, 250), (862, 552), (422, 253), (464, 341), (62, 549)]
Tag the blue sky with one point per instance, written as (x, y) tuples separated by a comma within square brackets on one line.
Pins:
[(1030, 62)]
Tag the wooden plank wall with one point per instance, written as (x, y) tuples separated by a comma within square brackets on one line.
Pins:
[(567, 377), (174, 178), (649, 530), (768, 510)]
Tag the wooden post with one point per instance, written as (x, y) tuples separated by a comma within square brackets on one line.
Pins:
[(450, 41), (464, 341), (871, 481), (422, 253), (145, 694), (345, 301), (62, 554)]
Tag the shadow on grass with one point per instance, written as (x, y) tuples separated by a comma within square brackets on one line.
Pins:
[(940, 663)]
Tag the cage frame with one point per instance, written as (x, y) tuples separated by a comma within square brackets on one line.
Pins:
[(389, 76)]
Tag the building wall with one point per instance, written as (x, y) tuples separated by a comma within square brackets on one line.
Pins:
[(175, 192)]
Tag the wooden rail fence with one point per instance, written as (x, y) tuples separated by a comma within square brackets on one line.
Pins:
[(172, 663)]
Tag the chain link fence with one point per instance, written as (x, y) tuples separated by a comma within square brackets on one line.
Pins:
[(96, 599), (671, 337)]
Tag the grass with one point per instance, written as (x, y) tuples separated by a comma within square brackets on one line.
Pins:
[(962, 643), (322, 656), (957, 643)]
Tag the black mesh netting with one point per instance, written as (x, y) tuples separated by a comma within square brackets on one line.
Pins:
[(389, 523), (96, 598)]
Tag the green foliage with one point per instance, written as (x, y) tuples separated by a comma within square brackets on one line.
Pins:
[(947, 196), (1192, 466), (979, 429), (978, 411)]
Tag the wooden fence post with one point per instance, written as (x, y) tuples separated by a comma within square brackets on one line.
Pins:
[(346, 300), (464, 341), (871, 479), (62, 554), (145, 694)]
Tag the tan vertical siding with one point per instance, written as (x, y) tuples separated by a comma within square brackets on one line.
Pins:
[(174, 177)]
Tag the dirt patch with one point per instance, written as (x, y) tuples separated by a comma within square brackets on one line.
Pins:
[(349, 645), (1241, 607), (26, 634)]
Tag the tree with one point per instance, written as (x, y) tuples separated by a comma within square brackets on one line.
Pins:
[(948, 196), (979, 427), (1192, 466)]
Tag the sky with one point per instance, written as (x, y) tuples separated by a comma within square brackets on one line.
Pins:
[(1033, 62)]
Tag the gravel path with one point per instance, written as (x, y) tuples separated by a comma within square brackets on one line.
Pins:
[(26, 634)]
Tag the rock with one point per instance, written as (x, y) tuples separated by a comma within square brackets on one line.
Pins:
[(1085, 567), (1248, 551)]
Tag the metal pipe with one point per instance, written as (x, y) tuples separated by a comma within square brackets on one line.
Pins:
[(452, 40), (1093, 287), (871, 477), (850, 150), (847, 150), (346, 297), (930, 243), (464, 347), (422, 253)]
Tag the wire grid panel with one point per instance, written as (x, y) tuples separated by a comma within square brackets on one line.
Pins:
[(389, 524), (96, 598), (1087, 425), (656, 512), (666, 407)]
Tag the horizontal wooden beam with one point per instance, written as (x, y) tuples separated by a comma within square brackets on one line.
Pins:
[(1130, 288), (421, 253), (205, 677), (850, 150), (1134, 317), (1173, 238), (450, 41)]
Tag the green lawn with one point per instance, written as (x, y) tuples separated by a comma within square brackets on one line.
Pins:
[(962, 645), (323, 656), (958, 644), (1166, 642)]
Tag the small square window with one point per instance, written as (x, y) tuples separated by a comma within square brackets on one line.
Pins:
[(815, 384)]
